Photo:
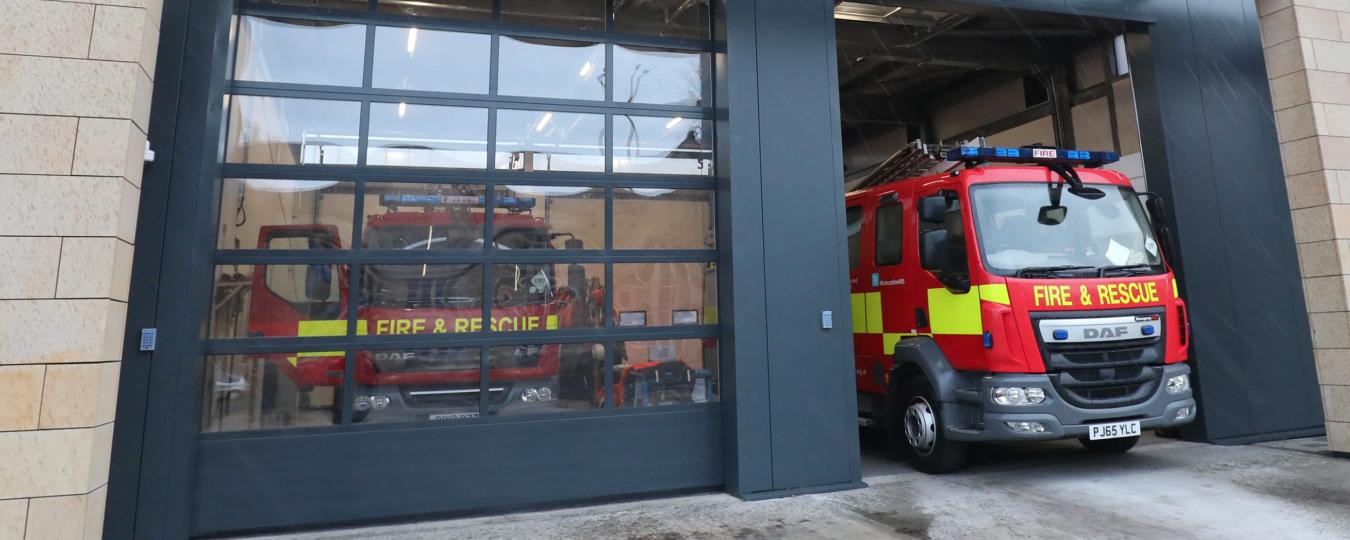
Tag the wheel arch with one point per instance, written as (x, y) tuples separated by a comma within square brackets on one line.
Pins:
[(921, 356)]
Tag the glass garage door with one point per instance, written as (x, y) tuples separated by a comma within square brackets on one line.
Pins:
[(489, 215)]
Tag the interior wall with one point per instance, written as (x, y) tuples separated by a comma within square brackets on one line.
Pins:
[(987, 100), (869, 150), (1040, 130), (1092, 125)]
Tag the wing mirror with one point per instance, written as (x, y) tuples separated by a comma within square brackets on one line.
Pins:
[(933, 209), (944, 259), (318, 282), (933, 251), (1154, 204)]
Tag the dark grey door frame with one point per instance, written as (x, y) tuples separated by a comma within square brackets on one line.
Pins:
[(152, 452), (169, 481), (1208, 130), (790, 421)]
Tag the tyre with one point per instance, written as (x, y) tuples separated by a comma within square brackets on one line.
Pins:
[(1110, 446), (914, 430)]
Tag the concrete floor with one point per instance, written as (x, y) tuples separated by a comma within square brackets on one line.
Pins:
[(1161, 489)]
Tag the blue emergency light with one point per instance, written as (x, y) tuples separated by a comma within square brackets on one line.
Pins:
[(1032, 155), (395, 199)]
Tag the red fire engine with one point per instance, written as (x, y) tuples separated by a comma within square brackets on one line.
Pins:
[(1025, 301), (443, 382)]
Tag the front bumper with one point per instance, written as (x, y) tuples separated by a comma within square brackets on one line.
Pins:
[(504, 400), (981, 420)]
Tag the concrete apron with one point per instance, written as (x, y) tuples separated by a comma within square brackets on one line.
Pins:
[(1161, 489)]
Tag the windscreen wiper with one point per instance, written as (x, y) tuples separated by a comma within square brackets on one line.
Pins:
[(1129, 269), (1051, 271)]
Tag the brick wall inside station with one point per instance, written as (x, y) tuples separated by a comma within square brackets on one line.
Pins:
[(75, 79), (1307, 44)]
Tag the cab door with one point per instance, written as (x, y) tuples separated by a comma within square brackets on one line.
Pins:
[(866, 345), (948, 308), (890, 303)]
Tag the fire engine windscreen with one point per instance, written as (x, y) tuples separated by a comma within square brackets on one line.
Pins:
[(1112, 231), (453, 285)]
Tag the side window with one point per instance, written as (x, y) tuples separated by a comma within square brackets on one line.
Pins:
[(954, 261), (954, 222), (956, 232), (855, 220), (889, 227), (302, 284), (951, 218)]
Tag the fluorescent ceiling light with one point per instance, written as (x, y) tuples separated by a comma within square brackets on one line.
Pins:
[(1121, 55), (651, 192), (586, 70), (412, 41), (543, 122), (858, 11), (402, 109), (288, 186), (547, 191), (674, 122)]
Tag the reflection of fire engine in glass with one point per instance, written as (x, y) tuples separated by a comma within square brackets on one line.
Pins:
[(422, 299), (1014, 302)]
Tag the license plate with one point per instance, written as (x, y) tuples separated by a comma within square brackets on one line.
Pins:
[(1114, 430), (453, 416)]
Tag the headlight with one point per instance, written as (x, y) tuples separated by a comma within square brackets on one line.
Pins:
[(1178, 384), (536, 395), (1017, 396)]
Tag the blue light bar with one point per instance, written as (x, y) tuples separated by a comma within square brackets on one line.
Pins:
[(514, 203), (1032, 155)]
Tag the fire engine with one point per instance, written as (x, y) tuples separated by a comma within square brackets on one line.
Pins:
[(441, 383), (1019, 294)]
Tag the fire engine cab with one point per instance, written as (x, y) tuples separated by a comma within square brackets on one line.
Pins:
[(1022, 294)]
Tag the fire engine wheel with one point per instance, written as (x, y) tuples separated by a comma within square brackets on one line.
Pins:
[(1110, 446), (921, 426), (914, 430)]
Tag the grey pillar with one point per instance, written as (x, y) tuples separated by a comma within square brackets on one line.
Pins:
[(790, 410)]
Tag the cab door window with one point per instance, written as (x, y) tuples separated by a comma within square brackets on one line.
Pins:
[(945, 258), (855, 222), (956, 232), (888, 232), (313, 289)]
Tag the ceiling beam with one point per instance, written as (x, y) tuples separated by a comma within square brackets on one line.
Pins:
[(856, 42)]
